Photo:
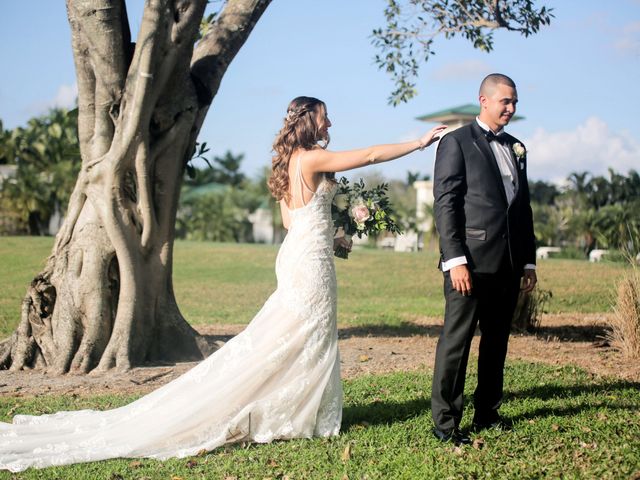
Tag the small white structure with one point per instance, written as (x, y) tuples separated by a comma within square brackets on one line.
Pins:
[(543, 252), (596, 255), (407, 242), (262, 225), (7, 171), (8, 221), (387, 242), (55, 222), (424, 200)]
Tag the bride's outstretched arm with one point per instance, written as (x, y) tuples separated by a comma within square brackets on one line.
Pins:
[(326, 161)]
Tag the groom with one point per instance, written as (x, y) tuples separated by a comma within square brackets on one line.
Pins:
[(487, 246)]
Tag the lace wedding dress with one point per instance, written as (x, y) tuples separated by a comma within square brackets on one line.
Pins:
[(278, 379)]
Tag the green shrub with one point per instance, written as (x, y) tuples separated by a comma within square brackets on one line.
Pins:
[(571, 253)]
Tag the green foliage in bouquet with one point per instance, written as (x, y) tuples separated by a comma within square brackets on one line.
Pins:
[(359, 211)]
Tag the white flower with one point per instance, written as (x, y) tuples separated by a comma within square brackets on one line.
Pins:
[(360, 213), (341, 201), (519, 150), (356, 202)]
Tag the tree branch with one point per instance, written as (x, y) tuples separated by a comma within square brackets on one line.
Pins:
[(217, 49), (165, 45), (413, 25), (76, 204), (101, 45), (219, 46), (145, 200), (166, 156)]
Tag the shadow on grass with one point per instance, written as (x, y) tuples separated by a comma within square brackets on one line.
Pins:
[(565, 333), (382, 413), (608, 394), (547, 392), (404, 329), (573, 333)]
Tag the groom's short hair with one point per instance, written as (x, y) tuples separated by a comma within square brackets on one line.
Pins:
[(490, 81)]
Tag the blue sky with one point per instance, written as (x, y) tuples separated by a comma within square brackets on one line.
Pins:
[(577, 81)]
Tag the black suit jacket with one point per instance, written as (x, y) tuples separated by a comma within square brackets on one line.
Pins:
[(472, 215)]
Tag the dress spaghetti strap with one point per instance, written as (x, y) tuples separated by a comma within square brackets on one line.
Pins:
[(301, 186)]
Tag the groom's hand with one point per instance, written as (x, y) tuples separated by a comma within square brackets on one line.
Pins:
[(461, 279)]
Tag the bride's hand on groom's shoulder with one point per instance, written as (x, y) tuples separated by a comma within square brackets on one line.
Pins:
[(431, 136)]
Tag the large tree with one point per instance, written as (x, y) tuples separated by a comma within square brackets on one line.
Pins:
[(105, 297)]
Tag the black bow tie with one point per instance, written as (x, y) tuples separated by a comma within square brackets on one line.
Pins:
[(501, 139)]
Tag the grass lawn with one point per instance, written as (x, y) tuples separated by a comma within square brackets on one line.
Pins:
[(227, 283), (568, 424)]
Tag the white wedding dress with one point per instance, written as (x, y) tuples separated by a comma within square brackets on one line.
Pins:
[(278, 379)]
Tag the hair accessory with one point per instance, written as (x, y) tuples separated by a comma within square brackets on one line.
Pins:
[(290, 115)]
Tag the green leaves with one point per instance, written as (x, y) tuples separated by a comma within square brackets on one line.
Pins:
[(55, 131), (368, 210), (223, 169), (216, 200), (46, 154), (590, 211), (413, 25)]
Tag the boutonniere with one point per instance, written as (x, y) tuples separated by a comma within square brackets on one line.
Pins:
[(520, 152)]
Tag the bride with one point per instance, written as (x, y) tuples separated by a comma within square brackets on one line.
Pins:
[(280, 377)]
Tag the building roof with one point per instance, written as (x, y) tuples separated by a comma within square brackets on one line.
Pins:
[(464, 113), (190, 192)]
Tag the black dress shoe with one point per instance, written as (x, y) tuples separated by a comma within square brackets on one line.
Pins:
[(454, 435), (497, 423)]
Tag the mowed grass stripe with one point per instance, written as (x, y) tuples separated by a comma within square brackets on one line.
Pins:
[(228, 283)]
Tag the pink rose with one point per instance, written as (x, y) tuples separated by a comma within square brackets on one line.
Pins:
[(360, 213)]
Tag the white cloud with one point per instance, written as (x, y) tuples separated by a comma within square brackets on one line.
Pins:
[(65, 97), (462, 70), (412, 134), (590, 147), (629, 39)]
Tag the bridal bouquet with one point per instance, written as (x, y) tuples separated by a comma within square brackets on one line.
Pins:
[(360, 211)]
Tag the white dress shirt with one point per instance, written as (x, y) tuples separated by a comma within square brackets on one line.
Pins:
[(507, 167), (505, 161)]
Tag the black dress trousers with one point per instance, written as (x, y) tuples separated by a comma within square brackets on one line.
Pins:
[(491, 305)]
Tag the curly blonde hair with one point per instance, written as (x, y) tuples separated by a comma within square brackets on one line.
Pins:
[(303, 128)]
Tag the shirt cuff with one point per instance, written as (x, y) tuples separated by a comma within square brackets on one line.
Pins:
[(454, 262), (529, 266)]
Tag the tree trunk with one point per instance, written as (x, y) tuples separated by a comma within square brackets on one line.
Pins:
[(105, 298)]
